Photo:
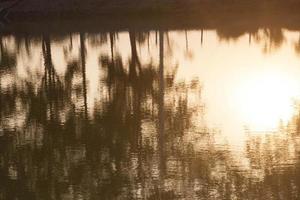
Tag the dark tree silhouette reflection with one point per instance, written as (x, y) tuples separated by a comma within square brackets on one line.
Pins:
[(136, 138)]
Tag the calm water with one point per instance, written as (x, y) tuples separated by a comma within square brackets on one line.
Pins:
[(185, 114)]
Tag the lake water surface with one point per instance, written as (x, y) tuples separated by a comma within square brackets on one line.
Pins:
[(162, 114)]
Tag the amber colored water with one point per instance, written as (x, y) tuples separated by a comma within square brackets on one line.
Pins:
[(178, 114)]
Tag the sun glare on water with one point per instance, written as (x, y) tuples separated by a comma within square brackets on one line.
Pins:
[(243, 88), (266, 100)]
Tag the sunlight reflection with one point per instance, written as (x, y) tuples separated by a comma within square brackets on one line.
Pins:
[(190, 111), (242, 87), (266, 100)]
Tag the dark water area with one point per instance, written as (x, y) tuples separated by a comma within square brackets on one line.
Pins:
[(150, 114)]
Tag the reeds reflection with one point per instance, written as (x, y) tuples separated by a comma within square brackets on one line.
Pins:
[(150, 115)]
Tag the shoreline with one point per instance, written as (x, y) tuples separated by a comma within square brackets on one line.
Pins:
[(231, 23), (233, 19), (57, 9)]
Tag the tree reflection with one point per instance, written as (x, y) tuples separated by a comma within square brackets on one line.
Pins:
[(271, 39), (297, 46), (138, 141), (8, 59)]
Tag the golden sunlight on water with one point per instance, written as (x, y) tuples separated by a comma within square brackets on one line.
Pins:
[(244, 89), (266, 100), (138, 115)]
